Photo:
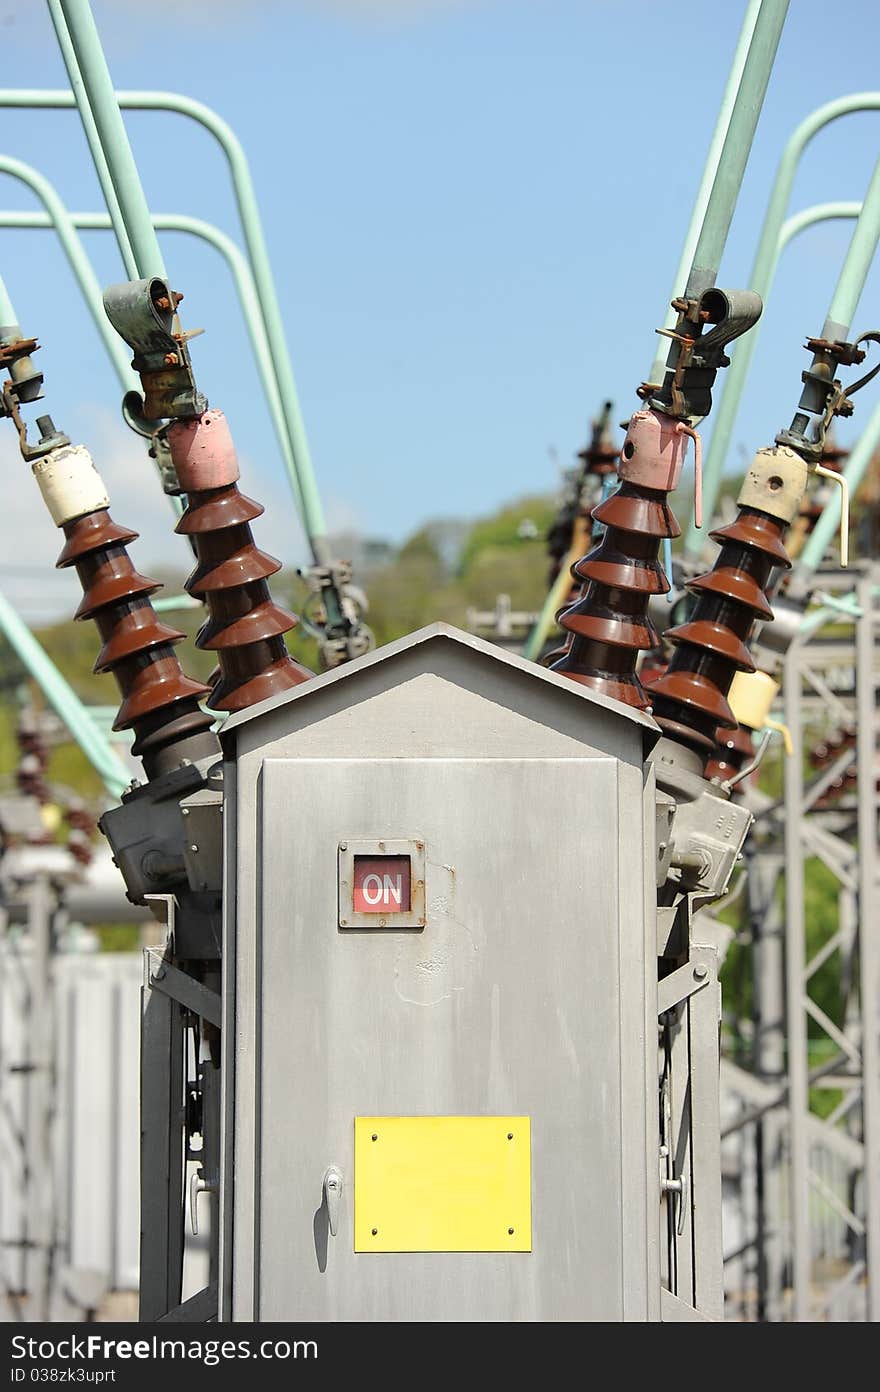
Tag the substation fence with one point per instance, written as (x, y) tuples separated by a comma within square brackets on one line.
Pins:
[(801, 1114), (69, 1128)]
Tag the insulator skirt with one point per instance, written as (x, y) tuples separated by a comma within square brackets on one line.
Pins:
[(244, 626), (732, 752), (690, 698), (608, 624), (159, 702)]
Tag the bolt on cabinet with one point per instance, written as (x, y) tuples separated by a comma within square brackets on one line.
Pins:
[(440, 1095)]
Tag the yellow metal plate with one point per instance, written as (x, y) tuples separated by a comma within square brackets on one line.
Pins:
[(442, 1184)]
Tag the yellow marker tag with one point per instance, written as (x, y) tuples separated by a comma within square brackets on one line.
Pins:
[(751, 695), (442, 1184)]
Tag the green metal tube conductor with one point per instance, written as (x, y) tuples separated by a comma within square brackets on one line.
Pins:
[(761, 280), (84, 57)]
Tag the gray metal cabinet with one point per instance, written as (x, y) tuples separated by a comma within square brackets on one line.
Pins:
[(521, 802)]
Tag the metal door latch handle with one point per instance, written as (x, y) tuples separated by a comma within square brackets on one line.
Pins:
[(680, 1187), (332, 1194), (197, 1186)]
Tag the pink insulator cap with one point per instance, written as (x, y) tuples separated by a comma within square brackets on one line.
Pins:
[(653, 451), (202, 452)]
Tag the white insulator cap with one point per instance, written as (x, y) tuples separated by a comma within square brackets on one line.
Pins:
[(70, 484)]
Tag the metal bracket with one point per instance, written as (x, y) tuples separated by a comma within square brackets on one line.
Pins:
[(673, 1310), (184, 989), (50, 438), (201, 1308), (202, 812), (680, 985)]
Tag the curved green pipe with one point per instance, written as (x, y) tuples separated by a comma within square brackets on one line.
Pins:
[(99, 159), (737, 146), (710, 169), (300, 471), (244, 284), (856, 264), (9, 325), (761, 279), (92, 85), (63, 700), (58, 215), (819, 212)]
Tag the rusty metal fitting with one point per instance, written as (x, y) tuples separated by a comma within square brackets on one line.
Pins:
[(203, 452), (244, 627), (690, 699), (25, 378)]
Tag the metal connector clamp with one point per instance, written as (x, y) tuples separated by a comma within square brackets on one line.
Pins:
[(26, 380), (333, 612), (144, 313), (698, 352), (823, 395)]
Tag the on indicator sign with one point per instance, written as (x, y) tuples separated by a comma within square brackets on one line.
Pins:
[(382, 884)]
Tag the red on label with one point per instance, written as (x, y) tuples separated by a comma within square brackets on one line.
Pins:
[(382, 884)]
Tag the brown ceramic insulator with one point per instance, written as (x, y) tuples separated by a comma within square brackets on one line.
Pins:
[(245, 628), (608, 623), (653, 665), (732, 752), (159, 703), (844, 783), (690, 700), (29, 777), (79, 847), (826, 751), (598, 459), (824, 754), (33, 759)]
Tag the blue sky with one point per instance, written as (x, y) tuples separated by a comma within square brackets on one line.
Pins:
[(474, 211)]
